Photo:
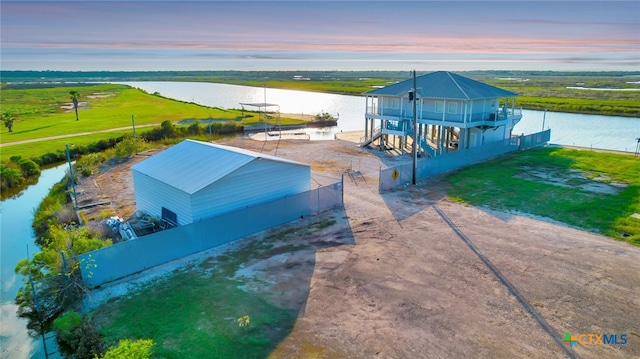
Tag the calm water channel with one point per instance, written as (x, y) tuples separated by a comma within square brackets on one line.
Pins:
[(16, 216), (606, 132)]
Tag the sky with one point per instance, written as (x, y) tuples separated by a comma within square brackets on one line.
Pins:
[(320, 35)]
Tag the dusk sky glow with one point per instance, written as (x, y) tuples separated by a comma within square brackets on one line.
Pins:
[(320, 35)]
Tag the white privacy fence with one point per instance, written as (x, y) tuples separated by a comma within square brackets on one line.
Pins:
[(426, 167)]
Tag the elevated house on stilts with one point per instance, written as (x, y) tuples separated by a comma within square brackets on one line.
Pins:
[(452, 112)]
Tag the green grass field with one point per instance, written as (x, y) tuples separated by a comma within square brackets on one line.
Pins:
[(570, 186), (39, 115), (191, 316), (193, 312)]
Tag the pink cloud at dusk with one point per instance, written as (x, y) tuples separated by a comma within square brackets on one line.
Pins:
[(605, 31), (436, 45)]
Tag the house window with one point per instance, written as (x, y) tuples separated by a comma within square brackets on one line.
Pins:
[(439, 106), (453, 107), (391, 103)]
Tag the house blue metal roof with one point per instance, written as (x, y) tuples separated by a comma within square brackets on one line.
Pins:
[(444, 85), (192, 165)]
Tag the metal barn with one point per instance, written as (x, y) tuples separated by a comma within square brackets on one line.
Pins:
[(195, 180)]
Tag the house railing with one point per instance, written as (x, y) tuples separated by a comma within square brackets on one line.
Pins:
[(431, 116), (368, 139)]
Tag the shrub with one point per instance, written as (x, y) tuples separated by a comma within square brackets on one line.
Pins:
[(168, 129), (66, 215), (51, 157), (77, 337), (128, 146), (88, 164), (67, 322), (45, 214), (165, 131), (194, 129), (139, 349), (29, 168), (102, 145), (10, 177)]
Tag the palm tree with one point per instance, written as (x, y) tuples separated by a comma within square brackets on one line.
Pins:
[(74, 97), (8, 118)]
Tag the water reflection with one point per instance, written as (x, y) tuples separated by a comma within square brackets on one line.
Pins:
[(319, 134), (17, 238), (14, 337)]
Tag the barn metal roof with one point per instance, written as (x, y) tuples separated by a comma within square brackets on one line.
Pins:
[(444, 85), (192, 165)]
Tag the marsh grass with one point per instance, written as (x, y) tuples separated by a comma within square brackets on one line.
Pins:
[(504, 184)]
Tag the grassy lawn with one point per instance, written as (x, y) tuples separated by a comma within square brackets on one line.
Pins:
[(40, 114), (595, 191), (35, 149), (191, 316), (193, 312)]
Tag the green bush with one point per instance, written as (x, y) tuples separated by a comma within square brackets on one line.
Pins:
[(15, 171), (45, 214), (194, 129), (29, 168), (77, 337), (127, 349), (88, 164), (51, 157), (10, 177), (166, 130), (67, 322), (128, 146)]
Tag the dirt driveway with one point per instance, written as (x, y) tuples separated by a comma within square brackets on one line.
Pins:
[(421, 277)]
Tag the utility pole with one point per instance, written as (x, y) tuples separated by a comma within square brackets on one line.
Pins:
[(264, 113), (414, 150), (133, 124), (73, 182)]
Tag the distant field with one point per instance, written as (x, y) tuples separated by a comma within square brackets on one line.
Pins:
[(560, 94), (537, 89), (595, 191)]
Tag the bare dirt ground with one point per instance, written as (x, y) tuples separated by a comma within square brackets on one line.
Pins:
[(394, 278)]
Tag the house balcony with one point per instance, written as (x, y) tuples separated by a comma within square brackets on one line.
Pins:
[(492, 119)]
